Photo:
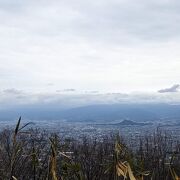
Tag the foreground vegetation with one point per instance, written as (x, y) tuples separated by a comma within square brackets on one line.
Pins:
[(36, 154)]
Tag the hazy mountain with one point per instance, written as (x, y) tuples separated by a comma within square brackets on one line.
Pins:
[(109, 113), (95, 113)]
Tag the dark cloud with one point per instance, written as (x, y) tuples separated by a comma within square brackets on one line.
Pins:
[(174, 88)]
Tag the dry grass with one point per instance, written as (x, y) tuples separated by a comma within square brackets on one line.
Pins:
[(35, 154)]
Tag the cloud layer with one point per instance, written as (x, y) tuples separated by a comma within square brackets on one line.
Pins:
[(13, 98), (105, 45)]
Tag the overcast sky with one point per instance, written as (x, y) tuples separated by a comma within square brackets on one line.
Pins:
[(104, 45)]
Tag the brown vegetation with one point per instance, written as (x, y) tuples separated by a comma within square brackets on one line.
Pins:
[(36, 154)]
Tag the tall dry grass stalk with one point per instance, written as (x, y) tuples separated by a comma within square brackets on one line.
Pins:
[(53, 159), (15, 149)]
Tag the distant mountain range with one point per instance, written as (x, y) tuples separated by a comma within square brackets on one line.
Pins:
[(95, 113), (116, 112)]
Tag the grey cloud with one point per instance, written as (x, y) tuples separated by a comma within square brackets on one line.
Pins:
[(13, 91), (174, 88), (81, 41), (126, 22), (68, 100), (112, 21)]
